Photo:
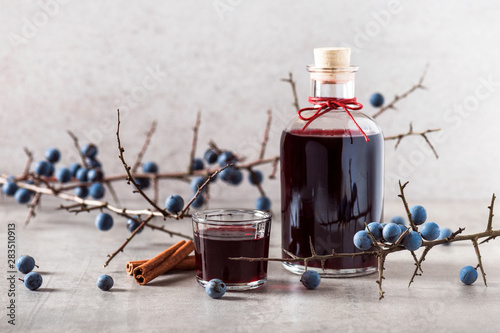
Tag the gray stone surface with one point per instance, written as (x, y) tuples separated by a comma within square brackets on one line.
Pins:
[(71, 251)]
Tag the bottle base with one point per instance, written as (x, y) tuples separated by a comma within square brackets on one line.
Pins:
[(331, 273)]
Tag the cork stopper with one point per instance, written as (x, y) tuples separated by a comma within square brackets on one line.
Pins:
[(332, 57)]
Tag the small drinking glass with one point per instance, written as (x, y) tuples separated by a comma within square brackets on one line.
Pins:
[(223, 233)]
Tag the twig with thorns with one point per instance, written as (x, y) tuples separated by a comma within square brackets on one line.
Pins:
[(382, 250), (410, 132)]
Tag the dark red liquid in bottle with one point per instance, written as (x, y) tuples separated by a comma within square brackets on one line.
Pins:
[(212, 255), (331, 184)]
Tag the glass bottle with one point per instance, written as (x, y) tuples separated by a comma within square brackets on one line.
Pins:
[(332, 177)]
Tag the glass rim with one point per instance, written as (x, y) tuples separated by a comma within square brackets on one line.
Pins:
[(258, 216)]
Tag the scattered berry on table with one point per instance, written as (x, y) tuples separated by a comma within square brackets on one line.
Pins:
[(377, 100), (9, 188), (445, 233), (89, 150), (81, 175), (362, 240), (468, 274), (210, 156), (226, 158), (198, 164), (376, 230), (412, 241), (96, 191), (418, 214), (104, 221), (33, 280), (133, 224), (63, 175), (398, 220), (81, 191), (215, 288), (255, 178), (391, 232), (150, 167), (310, 279), (74, 168), (198, 202), (174, 203), (105, 282), (52, 155), (25, 264), (41, 168), (22, 195), (263, 203), (429, 231)]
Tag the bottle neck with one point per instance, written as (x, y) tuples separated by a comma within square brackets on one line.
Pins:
[(337, 87)]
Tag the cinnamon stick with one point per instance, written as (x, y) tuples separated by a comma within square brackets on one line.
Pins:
[(185, 265), (163, 262)]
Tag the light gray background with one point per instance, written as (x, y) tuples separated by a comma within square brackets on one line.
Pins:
[(72, 65)]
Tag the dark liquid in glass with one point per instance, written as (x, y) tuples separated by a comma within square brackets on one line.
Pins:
[(331, 184), (212, 252)]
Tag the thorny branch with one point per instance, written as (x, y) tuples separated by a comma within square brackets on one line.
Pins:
[(397, 98), (410, 132), (383, 249), (145, 146)]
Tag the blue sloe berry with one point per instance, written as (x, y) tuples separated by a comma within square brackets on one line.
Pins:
[(429, 231), (391, 232), (73, 168), (95, 175), (93, 163), (198, 164), (310, 279), (41, 168), (412, 241), (445, 233), (198, 202), (25, 264), (150, 167), (33, 280), (256, 177), (52, 155), (22, 195), (89, 150), (9, 188), (105, 282), (197, 182), (226, 158), (133, 224), (63, 175), (174, 203), (81, 191), (143, 183), (362, 240), (210, 156), (215, 288), (402, 228), (398, 220), (104, 221), (263, 203), (376, 230), (50, 170), (377, 99), (231, 175), (96, 191), (418, 214), (81, 175), (468, 275)]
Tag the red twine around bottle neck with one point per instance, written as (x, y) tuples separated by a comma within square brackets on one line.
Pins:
[(328, 104)]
